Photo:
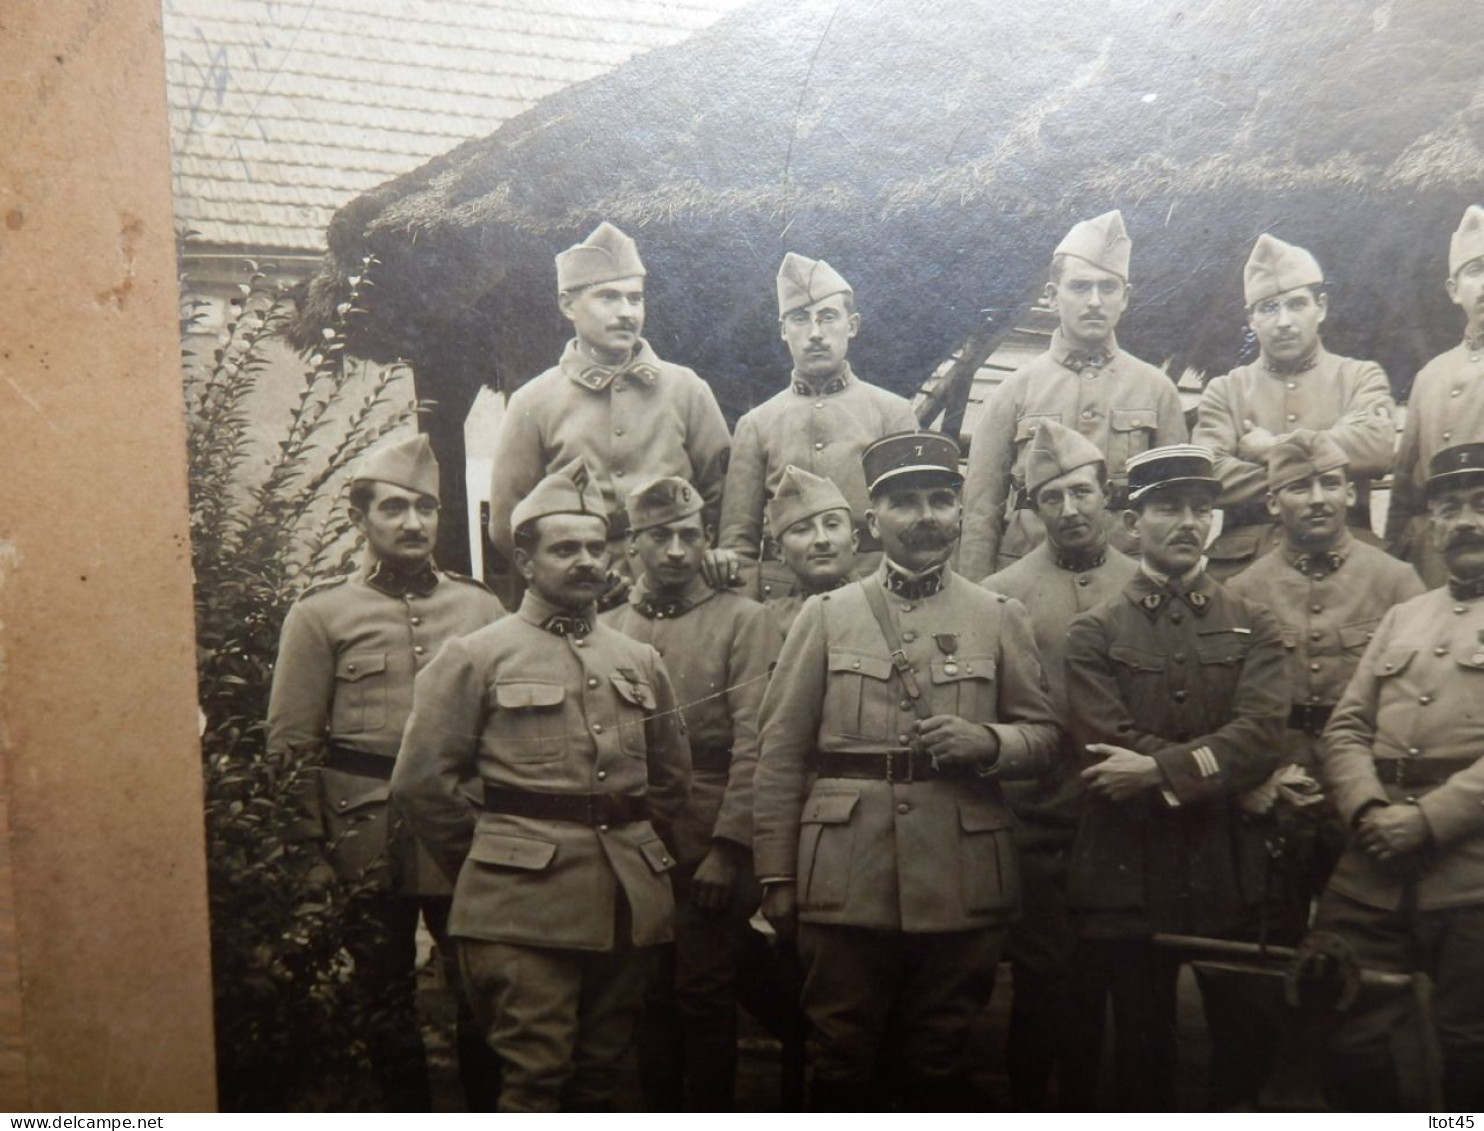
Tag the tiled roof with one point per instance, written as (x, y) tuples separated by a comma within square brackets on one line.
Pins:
[(284, 110)]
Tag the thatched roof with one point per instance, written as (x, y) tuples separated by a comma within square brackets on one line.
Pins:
[(934, 152)]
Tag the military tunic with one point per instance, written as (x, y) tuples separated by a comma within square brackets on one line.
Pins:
[(904, 887), (1200, 685), (1415, 708), (786, 607), (1446, 408), (822, 431), (556, 918), (1348, 399), (1125, 407), (721, 647), (1327, 616), (1053, 1028), (342, 691), (346, 662), (649, 419)]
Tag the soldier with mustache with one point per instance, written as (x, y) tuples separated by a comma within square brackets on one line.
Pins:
[(820, 423), (1446, 408), (1177, 688), (572, 731), (1054, 1030), (1401, 757), (899, 705), (1085, 382), (610, 401), (1295, 383), (342, 690)]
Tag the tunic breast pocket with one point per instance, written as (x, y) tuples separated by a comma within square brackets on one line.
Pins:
[(1221, 653), (1140, 674), (1130, 431), (857, 697), (360, 693), (531, 719), (1354, 638), (965, 687), (636, 701)]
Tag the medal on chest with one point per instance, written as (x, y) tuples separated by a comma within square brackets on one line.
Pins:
[(948, 644)]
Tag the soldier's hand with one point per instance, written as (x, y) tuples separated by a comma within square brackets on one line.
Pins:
[(722, 569), (1389, 831), (952, 741), (712, 888), (781, 908), (1255, 442), (1122, 774)]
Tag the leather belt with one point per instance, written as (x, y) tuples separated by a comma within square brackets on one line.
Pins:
[(349, 760), (1406, 772), (711, 757), (902, 765), (580, 808), (1311, 718)]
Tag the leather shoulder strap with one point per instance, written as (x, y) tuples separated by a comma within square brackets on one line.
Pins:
[(877, 600)]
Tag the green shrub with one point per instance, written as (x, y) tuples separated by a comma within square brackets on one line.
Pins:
[(288, 1034)]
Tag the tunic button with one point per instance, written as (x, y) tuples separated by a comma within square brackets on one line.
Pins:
[(417, 621), (904, 808), (591, 682), (343, 803), (1315, 635), (819, 404), (419, 649), (904, 739), (1454, 392), (1447, 436), (907, 608), (1316, 608), (602, 828), (1440, 650), (855, 664), (1082, 580), (597, 728), (1181, 695), (1314, 667), (1088, 414), (602, 775), (618, 431), (1292, 417), (906, 704), (1459, 610), (1424, 699), (350, 667), (579, 644), (1179, 657), (819, 447), (618, 474), (1414, 750), (1292, 385), (909, 636)]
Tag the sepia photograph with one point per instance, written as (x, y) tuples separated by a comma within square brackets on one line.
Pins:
[(835, 555)]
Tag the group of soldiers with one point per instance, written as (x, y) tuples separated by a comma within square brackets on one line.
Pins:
[(922, 720)]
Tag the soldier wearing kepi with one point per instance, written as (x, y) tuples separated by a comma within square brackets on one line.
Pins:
[(813, 526), (820, 424), (342, 690), (905, 699), (1329, 591), (563, 889), (1177, 688), (1446, 408), (1085, 382), (610, 401), (1402, 759), (1295, 383), (721, 647), (1052, 1030)]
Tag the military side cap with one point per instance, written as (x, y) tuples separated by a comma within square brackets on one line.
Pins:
[(802, 494), (1102, 241), (929, 454), (1455, 467), (1468, 242), (605, 255), (568, 490), (1055, 450), (802, 281), (408, 464), (1303, 453), (665, 499), (1275, 267), (1175, 465)]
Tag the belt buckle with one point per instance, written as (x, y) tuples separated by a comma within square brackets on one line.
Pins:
[(911, 765), (890, 767)]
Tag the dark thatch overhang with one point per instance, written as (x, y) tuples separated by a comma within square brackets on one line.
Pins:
[(935, 152)]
